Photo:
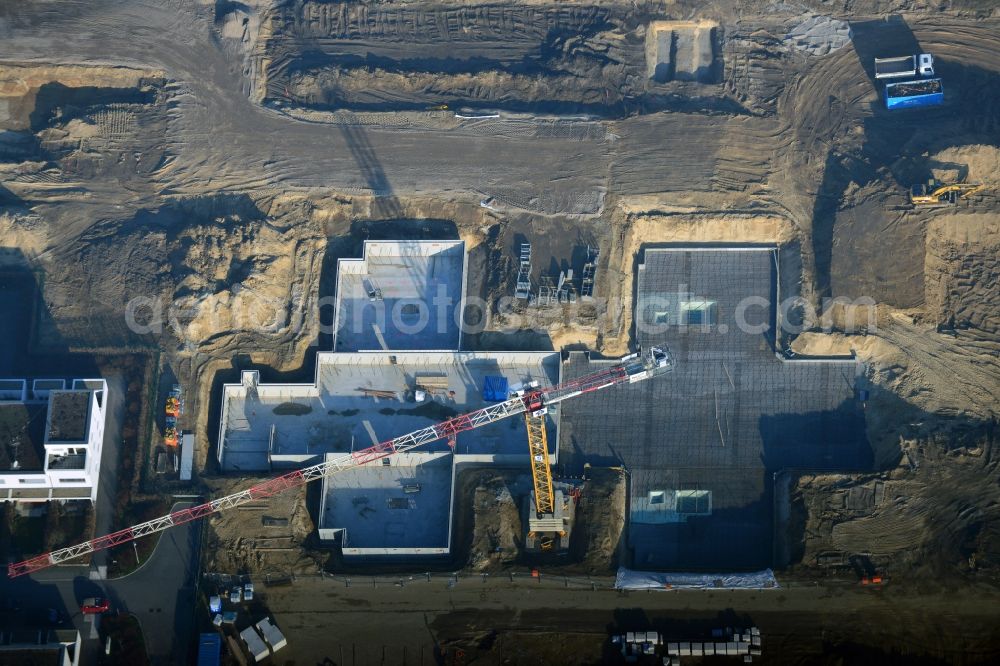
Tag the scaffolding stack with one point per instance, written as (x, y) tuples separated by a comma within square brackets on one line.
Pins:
[(522, 290), (566, 291), (546, 292), (589, 272)]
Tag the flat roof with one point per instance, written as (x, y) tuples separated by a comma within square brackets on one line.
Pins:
[(401, 295), (367, 397), (371, 504), (69, 416), (22, 436), (48, 384), (75, 461), (723, 421), (12, 385)]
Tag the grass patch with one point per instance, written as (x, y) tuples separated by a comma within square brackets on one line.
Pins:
[(128, 647), (28, 534), (123, 558)]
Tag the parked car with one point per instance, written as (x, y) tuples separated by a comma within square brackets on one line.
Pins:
[(248, 592), (236, 595), (95, 606)]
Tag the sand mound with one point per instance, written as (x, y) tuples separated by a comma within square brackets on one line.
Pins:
[(823, 344), (682, 50), (981, 164), (211, 271), (24, 233), (20, 84), (819, 35), (960, 269)]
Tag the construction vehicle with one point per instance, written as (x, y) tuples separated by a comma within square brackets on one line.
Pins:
[(936, 193), (904, 66), (173, 408), (536, 401), (174, 405), (170, 435), (922, 89)]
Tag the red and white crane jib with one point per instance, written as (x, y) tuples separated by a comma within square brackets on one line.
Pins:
[(536, 401)]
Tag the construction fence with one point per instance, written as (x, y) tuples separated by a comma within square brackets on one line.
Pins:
[(534, 577)]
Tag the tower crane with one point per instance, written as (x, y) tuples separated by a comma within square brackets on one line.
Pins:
[(541, 476), (629, 370)]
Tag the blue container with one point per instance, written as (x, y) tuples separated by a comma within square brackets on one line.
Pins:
[(495, 389), (209, 650), (914, 94)]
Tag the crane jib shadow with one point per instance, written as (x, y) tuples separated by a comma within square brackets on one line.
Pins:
[(385, 204)]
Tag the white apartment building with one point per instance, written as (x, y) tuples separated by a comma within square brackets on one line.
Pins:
[(51, 439)]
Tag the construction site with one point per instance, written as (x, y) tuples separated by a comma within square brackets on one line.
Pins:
[(571, 333)]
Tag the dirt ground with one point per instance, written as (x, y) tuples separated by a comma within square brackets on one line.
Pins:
[(277, 537), (490, 505), (182, 175), (495, 620), (260, 538)]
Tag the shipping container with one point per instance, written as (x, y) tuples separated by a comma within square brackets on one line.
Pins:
[(209, 649), (256, 646), (914, 94), (271, 634)]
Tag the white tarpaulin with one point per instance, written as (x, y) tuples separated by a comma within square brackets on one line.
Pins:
[(627, 579)]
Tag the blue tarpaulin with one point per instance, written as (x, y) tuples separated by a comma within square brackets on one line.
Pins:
[(495, 389)]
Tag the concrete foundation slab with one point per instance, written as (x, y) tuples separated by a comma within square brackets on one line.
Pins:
[(400, 509), (702, 443), (401, 295), (362, 398)]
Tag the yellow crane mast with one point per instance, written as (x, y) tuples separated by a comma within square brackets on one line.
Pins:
[(541, 473)]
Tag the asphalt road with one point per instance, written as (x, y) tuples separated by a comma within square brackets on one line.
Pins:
[(160, 594), (326, 621)]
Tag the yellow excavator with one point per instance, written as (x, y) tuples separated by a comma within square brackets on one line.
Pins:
[(935, 193)]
